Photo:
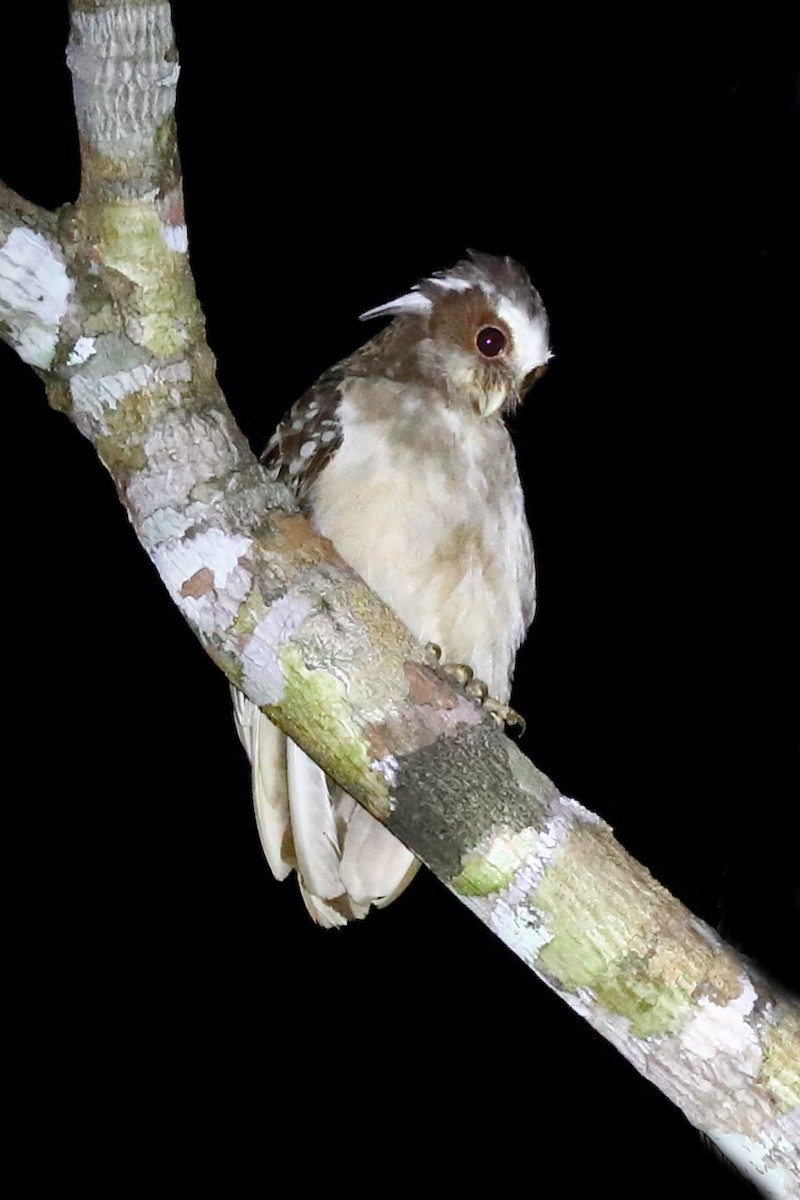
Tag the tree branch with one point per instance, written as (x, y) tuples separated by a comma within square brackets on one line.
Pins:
[(34, 285), (101, 301)]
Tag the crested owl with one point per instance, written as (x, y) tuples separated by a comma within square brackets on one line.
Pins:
[(400, 456)]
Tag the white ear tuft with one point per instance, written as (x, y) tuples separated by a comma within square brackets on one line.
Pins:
[(412, 302), (450, 283)]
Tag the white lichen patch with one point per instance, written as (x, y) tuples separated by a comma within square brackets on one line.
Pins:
[(181, 453), (83, 349), (516, 925), (215, 611), (565, 815), (207, 581), (34, 292), (387, 767), (503, 851), (713, 1073), (213, 551), (94, 391), (524, 856), (170, 524), (769, 1159), (263, 675), (723, 1029)]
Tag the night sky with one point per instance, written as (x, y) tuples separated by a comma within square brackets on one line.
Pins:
[(175, 1025)]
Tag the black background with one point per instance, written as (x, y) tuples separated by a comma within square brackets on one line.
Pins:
[(175, 1025)]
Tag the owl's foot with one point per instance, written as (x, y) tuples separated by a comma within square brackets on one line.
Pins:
[(477, 690), (504, 715)]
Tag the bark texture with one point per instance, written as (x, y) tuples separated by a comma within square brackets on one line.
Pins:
[(99, 299)]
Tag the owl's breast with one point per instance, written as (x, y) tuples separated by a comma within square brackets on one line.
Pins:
[(426, 505)]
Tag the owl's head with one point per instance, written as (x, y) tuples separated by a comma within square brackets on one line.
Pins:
[(478, 331)]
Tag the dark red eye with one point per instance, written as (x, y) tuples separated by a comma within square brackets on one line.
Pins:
[(491, 341)]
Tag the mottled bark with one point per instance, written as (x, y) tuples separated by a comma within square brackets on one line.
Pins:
[(99, 299)]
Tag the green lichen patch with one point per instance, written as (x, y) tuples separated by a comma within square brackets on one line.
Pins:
[(597, 905), (780, 1071), (101, 317), (162, 302), (651, 1005), (316, 708), (493, 870), (480, 877), (617, 932)]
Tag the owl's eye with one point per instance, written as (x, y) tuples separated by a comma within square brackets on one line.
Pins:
[(491, 341)]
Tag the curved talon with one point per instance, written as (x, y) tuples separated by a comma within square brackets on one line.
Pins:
[(434, 650), (476, 689), (512, 717), (458, 671), (495, 709), (504, 715)]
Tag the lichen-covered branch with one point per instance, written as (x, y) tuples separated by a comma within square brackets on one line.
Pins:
[(99, 299), (34, 283)]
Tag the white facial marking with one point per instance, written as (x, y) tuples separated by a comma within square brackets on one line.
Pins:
[(531, 347)]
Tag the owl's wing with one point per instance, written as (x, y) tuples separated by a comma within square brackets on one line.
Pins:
[(345, 860), (307, 437)]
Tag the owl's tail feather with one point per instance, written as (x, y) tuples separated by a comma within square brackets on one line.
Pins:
[(265, 746), (375, 867), (345, 859)]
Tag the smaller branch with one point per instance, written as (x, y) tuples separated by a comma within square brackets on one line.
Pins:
[(124, 70), (16, 210), (35, 286)]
